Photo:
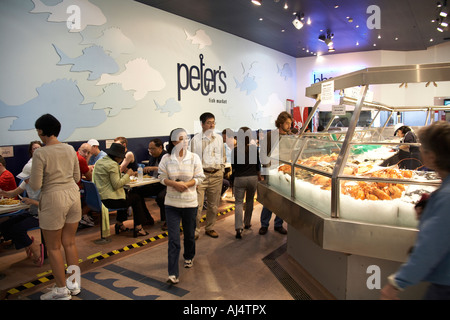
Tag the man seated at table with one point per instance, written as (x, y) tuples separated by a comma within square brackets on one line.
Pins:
[(156, 152), (7, 180), (96, 153), (83, 154)]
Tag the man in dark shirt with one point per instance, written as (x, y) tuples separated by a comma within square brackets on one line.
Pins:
[(156, 152)]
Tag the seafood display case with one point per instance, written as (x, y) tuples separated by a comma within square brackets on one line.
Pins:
[(368, 190), (342, 195)]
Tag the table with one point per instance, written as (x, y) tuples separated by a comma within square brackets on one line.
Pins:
[(21, 206), (145, 181)]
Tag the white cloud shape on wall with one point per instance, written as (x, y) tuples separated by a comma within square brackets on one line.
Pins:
[(200, 38), (138, 76), (90, 14)]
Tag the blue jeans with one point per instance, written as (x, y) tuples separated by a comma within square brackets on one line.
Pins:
[(266, 215), (187, 216)]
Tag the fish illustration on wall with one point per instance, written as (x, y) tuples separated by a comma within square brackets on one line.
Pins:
[(112, 40), (200, 38), (114, 99), (285, 71), (138, 76), (248, 84), (271, 109), (89, 14), (171, 106), (94, 59), (61, 98)]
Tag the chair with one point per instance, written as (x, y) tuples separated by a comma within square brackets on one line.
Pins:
[(94, 202)]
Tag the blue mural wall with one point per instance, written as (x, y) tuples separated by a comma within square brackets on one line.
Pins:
[(108, 68)]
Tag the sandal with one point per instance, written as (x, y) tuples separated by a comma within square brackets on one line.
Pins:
[(28, 249), (139, 232), (120, 228), (40, 261)]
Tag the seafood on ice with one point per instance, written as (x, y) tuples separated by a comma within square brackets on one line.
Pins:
[(358, 190)]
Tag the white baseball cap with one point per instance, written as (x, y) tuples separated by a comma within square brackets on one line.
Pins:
[(93, 142), (26, 172)]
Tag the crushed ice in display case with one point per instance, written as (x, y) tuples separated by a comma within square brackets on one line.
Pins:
[(368, 191)]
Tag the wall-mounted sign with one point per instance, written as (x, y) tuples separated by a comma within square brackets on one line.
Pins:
[(7, 152), (200, 78), (108, 143), (327, 92), (328, 73), (338, 110)]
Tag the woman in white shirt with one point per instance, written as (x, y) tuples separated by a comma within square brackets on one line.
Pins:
[(181, 171)]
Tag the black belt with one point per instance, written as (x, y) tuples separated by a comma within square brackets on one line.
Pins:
[(211, 171)]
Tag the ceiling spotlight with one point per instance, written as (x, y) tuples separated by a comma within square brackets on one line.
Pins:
[(328, 39), (257, 2), (444, 24), (298, 21)]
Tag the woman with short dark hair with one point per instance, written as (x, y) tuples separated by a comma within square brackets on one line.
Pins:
[(55, 171), (408, 156)]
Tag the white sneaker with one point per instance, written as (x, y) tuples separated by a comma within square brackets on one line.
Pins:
[(188, 263), (173, 279), (87, 221), (57, 294), (74, 287)]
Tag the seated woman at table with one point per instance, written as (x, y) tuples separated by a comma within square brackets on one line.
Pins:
[(16, 227), (110, 183), (129, 162)]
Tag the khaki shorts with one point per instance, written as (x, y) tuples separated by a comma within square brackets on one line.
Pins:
[(57, 208)]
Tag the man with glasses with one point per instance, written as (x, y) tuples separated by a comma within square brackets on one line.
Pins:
[(210, 148), (156, 152)]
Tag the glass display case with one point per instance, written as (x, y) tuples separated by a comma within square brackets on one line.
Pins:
[(348, 203), (368, 190)]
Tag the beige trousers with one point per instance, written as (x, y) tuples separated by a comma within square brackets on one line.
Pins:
[(211, 187)]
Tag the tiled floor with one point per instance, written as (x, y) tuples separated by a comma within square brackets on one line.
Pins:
[(136, 268)]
